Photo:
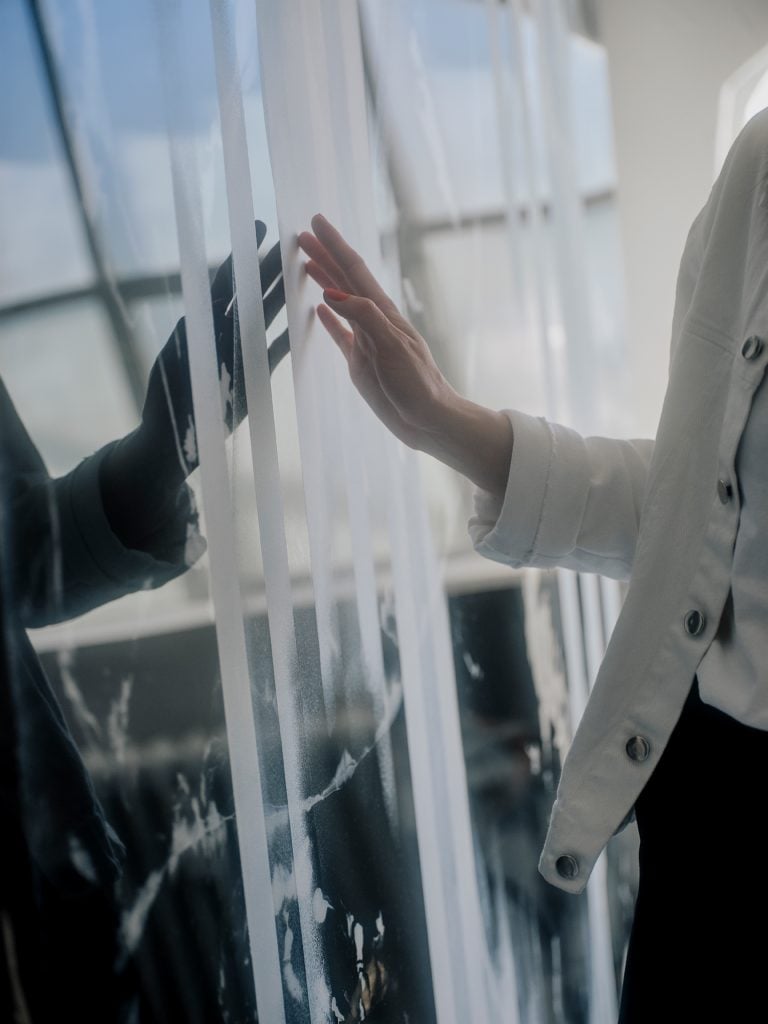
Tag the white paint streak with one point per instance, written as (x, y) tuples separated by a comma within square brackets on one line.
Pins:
[(320, 906), (283, 887), (82, 859), (85, 717), (192, 829), (134, 919), (117, 720), (21, 1009), (227, 394), (358, 933), (292, 983), (544, 657), (322, 997), (473, 667), (190, 443), (506, 971), (288, 940), (348, 765)]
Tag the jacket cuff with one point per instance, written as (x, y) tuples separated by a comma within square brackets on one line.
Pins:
[(504, 527), (537, 521), (128, 567)]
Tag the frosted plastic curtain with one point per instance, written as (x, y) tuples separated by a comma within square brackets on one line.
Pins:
[(348, 824), (557, 292), (313, 88), (313, 94)]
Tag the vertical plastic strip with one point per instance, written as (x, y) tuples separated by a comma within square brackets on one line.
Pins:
[(513, 115), (339, 102), (434, 840), (589, 586), (432, 682), (459, 954), (566, 203), (289, 71), (583, 638), (295, 86), (441, 693), (219, 517), (266, 471), (602, 983), (516, 24), (602, 978), (610, 591)]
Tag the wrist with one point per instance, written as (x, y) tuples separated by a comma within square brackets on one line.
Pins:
[(472, 439), (139, 488)]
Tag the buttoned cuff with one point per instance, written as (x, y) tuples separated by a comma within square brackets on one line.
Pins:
[(538, 519)]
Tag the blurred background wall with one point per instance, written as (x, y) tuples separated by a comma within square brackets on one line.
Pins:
[(667, 64)]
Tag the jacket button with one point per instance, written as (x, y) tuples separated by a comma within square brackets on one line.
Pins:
[(638, 748), (694, 622), (752, 347), (724, 491), (567, 866)]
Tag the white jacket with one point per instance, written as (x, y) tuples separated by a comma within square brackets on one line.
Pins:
[(663, 514)]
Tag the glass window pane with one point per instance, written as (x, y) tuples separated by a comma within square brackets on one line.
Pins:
[(43, 248), (62, 371)]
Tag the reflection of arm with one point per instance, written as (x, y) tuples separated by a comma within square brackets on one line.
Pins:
[(570, 501), (64, 558)]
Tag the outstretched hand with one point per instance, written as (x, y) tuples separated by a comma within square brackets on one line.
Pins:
[(389, 362), (168, 415), (141, 476)]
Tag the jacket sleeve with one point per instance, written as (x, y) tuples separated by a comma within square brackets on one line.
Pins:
[(570, 501), (61, 556)]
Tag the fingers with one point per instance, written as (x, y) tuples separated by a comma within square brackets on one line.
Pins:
[(351, 263), (343, 337), (317, 274), (366, 313), (320, 256)]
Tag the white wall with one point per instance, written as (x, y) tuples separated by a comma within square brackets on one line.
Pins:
[(668, 59)]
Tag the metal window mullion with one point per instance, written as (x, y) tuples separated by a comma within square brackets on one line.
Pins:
[(106, 288)]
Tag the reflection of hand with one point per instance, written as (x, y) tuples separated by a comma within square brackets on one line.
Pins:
[(391, 366), (141, 476), (389, 361), (167, 421)]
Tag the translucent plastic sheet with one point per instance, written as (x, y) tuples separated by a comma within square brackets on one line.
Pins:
[(327, 737)]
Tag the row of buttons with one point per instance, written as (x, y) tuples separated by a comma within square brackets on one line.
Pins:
[(638, 748), (694, 622)]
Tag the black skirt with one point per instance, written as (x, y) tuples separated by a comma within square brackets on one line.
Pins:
[(698, 950)]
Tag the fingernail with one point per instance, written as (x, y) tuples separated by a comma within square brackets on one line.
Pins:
[(335, 295)]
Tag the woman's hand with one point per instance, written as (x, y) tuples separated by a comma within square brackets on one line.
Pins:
[(391, 366), (389, 362)]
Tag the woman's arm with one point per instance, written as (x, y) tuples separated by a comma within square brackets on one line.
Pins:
[(545, 495), (124, 519)]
